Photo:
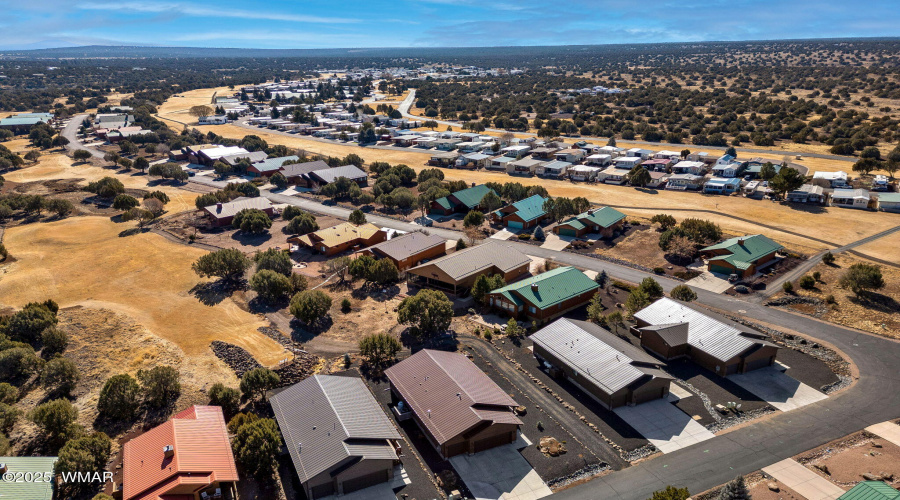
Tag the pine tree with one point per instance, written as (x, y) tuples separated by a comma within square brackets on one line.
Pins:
[(735, 490)]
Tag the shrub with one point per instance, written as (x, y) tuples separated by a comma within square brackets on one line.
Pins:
[(658, 270), (683, 293), (257, 381), (8, 394), (298, 282), (291, 211), (345, 305), (256, 445), (828, 258), (28, 324), (460, 244), (270, 286), (788, 287), (524, 236), (817, 276), (807, 282), (473, 219), (53, 417), (862, 277), (59, 375), (228, 398), (427, 312), (302, 224), (9, 415), (379, 347), (119, 397), (357, 217), (60, 207), (310, 305), (665, 221), (161, 384), (18, 362), (671, 493), (228, 263), (488, 335), (86, 454), (252, 220), (830, 299)]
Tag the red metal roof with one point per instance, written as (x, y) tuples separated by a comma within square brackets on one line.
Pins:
[(449, 394), (202, 455)]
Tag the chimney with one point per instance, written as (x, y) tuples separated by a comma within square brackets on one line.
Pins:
[(534, 287), (168, 451), (219, 206), (741, 242), (3, 469)]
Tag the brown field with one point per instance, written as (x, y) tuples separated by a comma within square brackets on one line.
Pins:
[(59, 166), (175, 110), (885, 248), (881, 316), (84, 261)]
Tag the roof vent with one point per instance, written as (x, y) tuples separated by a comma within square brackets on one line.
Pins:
[(429, 413), (741, 242), (168, 451), (219, 206), (534, 287), (4, 469)]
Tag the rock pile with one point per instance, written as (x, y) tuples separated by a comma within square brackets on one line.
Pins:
[(551, 446), (299, 368), (235, 357)]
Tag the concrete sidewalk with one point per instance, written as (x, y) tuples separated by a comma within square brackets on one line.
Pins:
[(804, 481), (886, 430)]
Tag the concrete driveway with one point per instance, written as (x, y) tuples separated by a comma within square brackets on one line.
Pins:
[(664, 425), (716, 283), (804, 481), (553, 241), (502, 235), (887, 430), (500, 473), (773, 386), (380, 491)]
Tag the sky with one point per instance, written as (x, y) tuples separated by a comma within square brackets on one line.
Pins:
[(298, 24)]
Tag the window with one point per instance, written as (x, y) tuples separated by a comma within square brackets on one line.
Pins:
[(532, 309)]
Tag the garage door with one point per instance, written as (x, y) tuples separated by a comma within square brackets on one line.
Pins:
[(756, 364), (323, 490), (721, 270), (361, 482), (566, 231), (514, 224), (490, 442)]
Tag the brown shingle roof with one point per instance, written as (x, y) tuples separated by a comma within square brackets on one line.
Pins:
[(449, 394)]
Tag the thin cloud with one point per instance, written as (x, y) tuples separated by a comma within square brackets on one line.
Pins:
[(201, 11)]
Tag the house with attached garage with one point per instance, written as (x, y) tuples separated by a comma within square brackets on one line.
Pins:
[(553, 170), (222, 213), (523, 214), (456, 273), (684, 182), (409, 250), (570, 155), (603, 221), (461, 201), (889, 202), (458, 408), (689, 167), (525, 166), (734, 169), (722, 185), (741, 255), (298, 173), (832, 179), (807, 193), (545, 296), (850, 198), (327, 176), (268, 166), (609, 369), (336, 239), (673, 330), (338, 437)]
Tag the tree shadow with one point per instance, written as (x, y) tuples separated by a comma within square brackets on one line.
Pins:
[(258, 305), (214, 292), (249, 239), (810, 208), (133, 231), (877, 301), (376, 292), (646, 190), (302, 332)]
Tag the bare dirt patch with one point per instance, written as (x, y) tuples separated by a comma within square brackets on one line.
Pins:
[(847, 459), (85, 261)]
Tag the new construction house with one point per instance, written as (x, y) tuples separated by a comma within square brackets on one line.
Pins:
[(459, 409), (611, 370), (456, 273), (409, 250)]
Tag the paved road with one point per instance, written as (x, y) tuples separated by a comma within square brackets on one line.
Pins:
[(407, 103), (70, 132), (873, 399)]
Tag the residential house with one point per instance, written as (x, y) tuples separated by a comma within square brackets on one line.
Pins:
[(461, 201), (327, 176), (889, 202), (741, 255), (673, 330), (657, 164), (657, 179), (222, 213), (850, 198), (22, 122), (725, 159), (626, 162), (871, 490), (15, 470), (252, 157), (833, 179), (500, 162), (807, 193), (604, 221), (701, 156), (523, 214), (458, 408), (456, 273), (338, 437), (609, 369), (544, 153), (553, 170), (880, 183), (336, 239), (525, 166), (515, 151), (613, 175), (753, 168), (683, 182), (208, 156), (570, 155), (734, 169), (583, 173), (545, 296), (298, 173), (722, 185), (671, 155), (189, 457), (643, 154), (473, 161), (689, 167), (443, 159), (601, 160), (212, 120), (612, 151), (269, 166), (409, 249)]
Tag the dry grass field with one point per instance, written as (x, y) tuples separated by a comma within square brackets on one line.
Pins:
[(887, 248), (84, 261), (175, 110)]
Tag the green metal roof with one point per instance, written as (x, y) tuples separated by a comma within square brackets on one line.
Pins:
[(28, 490), (444, 202), (472, 196), (603, 217), (744, 250), (553, 287), (871, 490), (530, 208)]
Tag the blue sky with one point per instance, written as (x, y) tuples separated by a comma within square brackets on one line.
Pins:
[(430, 23)]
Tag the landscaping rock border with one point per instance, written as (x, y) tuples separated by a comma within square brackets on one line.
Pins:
[(583, 473), (819, 304), (237, 358)]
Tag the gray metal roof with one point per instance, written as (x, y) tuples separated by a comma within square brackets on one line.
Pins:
[(449, 393), (326, 419), (301, 169), (236, 205), (473, 260), (717, 338), (407, 245), (329, 175), (253, 157), (596, 354)]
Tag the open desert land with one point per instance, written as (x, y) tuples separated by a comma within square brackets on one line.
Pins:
[(84, 261), (175, 110), (885, 248), (59, 166)]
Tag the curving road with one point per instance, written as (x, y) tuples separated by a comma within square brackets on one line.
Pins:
[(407, 103), (874, 398)]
